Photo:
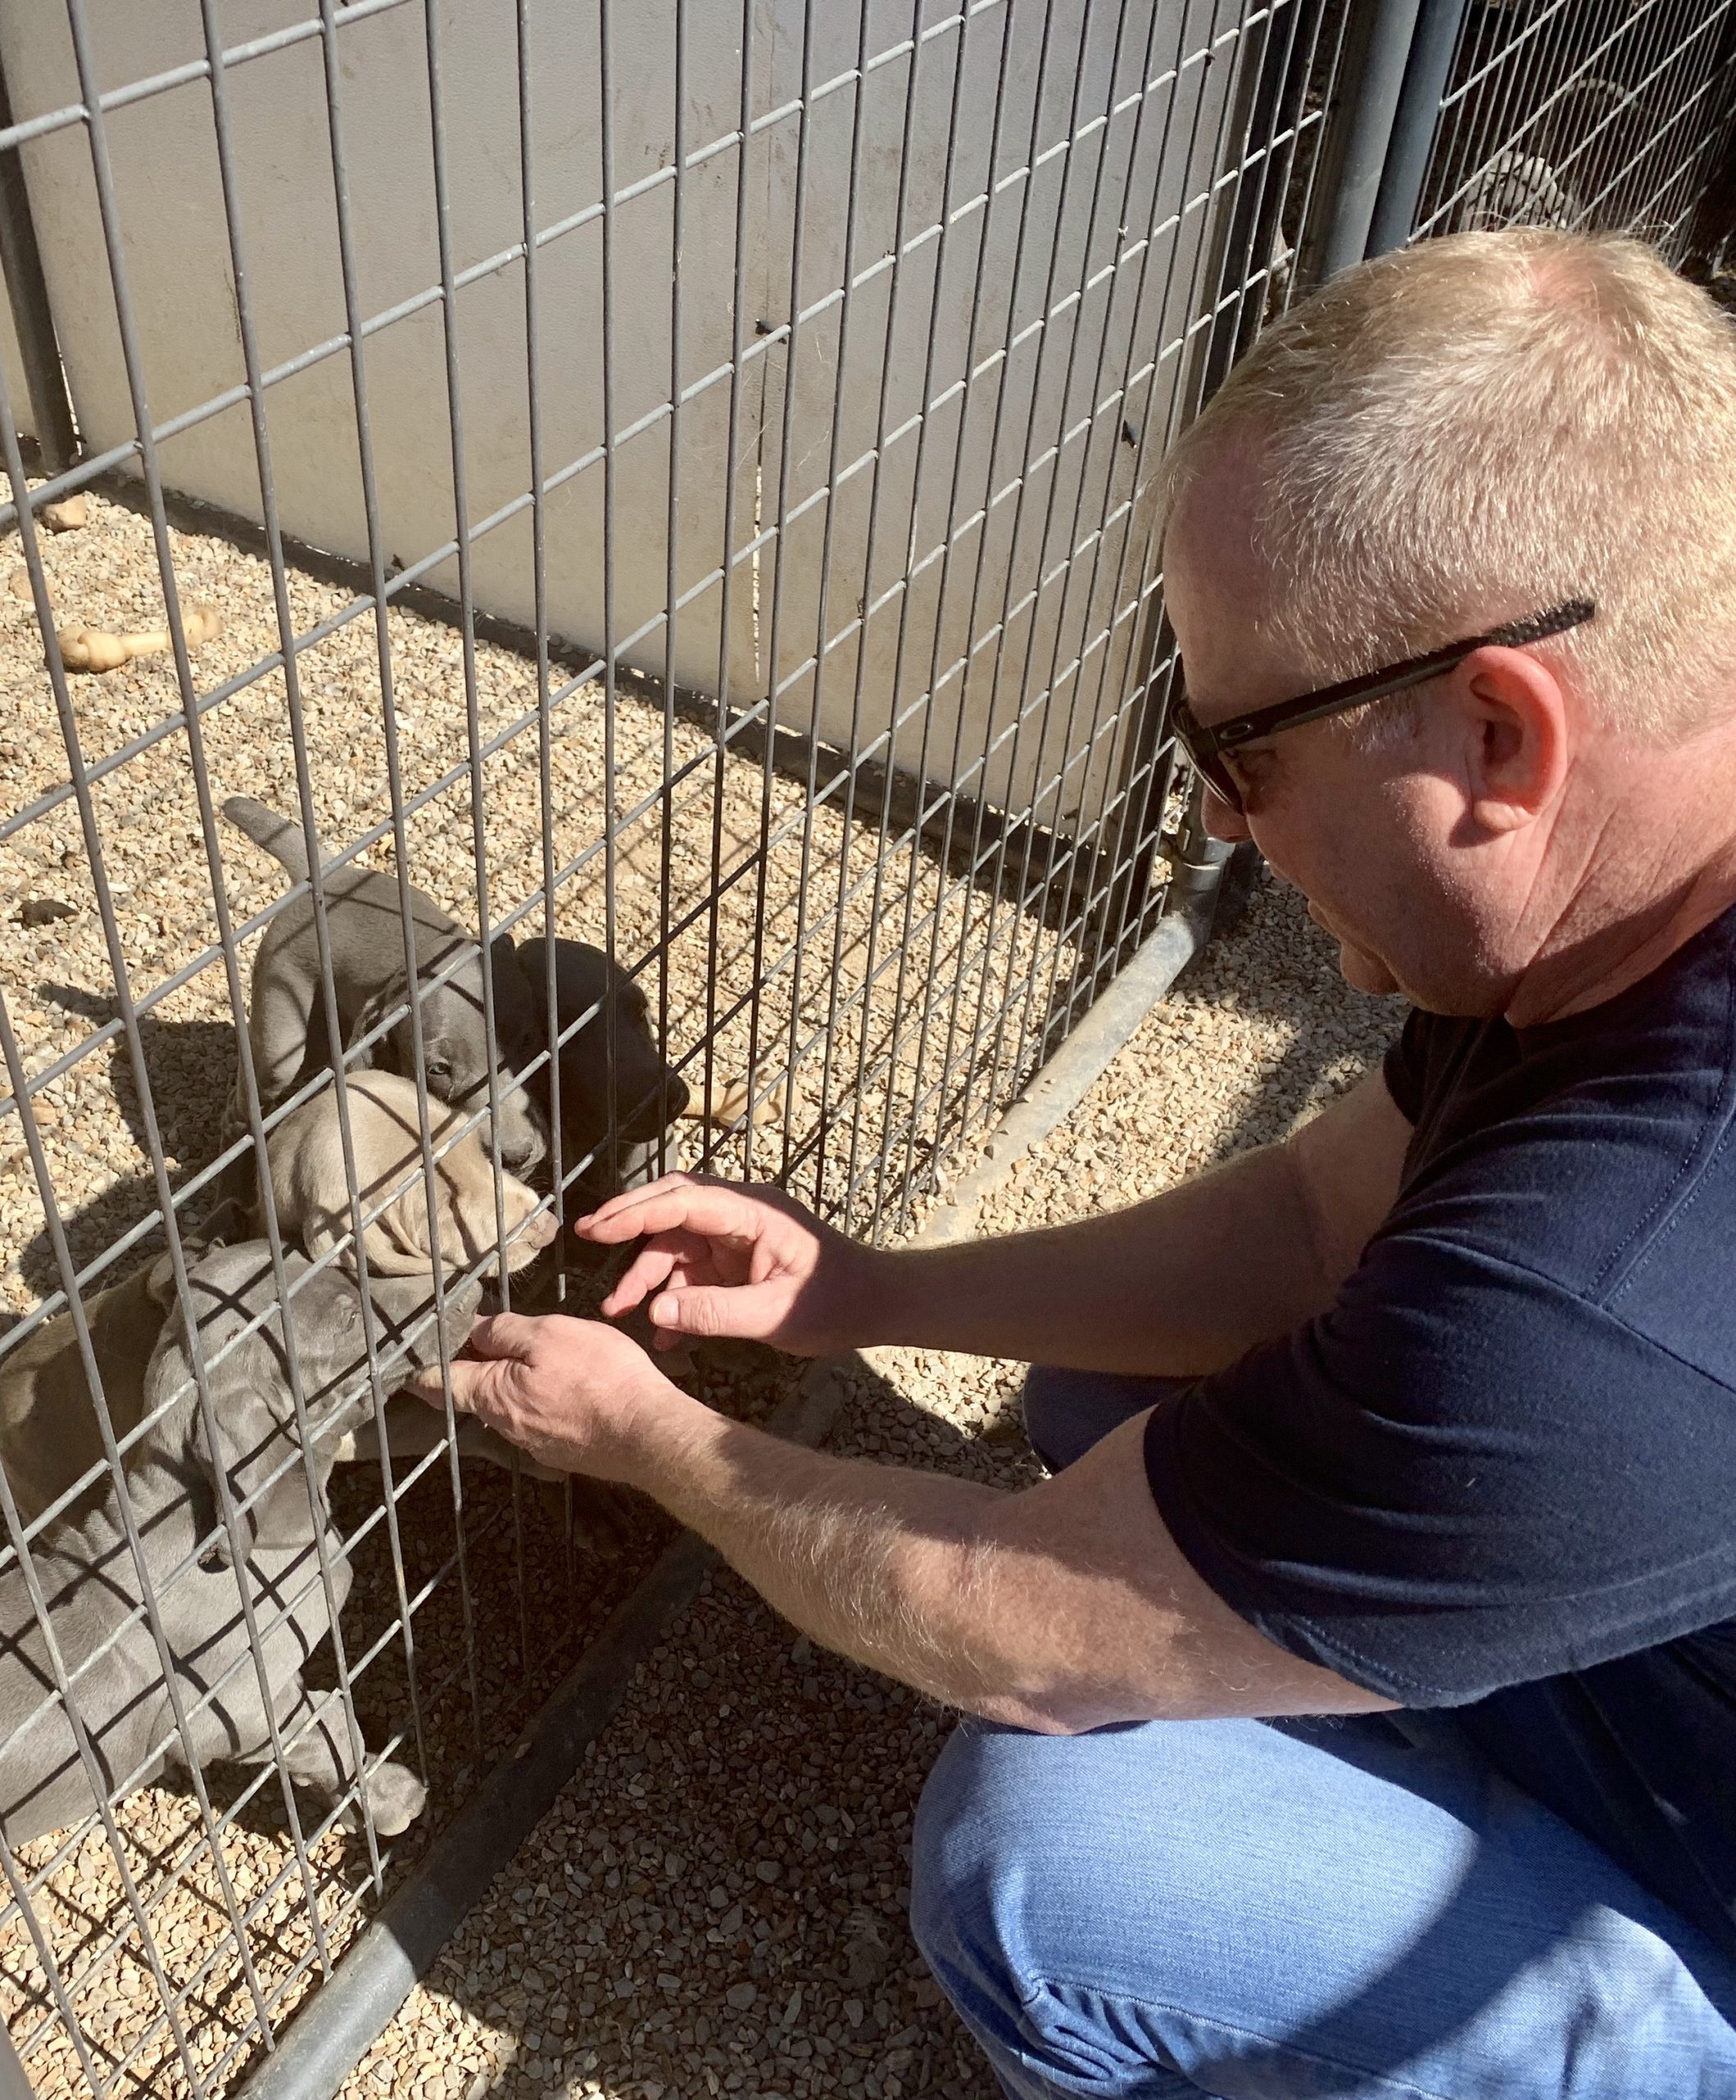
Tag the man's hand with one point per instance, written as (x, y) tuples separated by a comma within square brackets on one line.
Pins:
[(721, 1259), (573, 1393)]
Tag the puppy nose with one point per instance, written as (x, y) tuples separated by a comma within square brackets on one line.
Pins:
[(523, 1156)]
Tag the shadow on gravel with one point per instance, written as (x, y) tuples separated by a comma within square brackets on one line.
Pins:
[(189, 1066)]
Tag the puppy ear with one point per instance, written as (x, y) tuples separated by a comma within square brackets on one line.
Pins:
[(250, 1445), (467, 1215), (378, 1054), (323, 1233), (506, 966), (398, 1238)]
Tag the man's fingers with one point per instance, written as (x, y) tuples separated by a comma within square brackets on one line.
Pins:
[(502, 1337), (710, 1208), (503, 1334), (630, 1197), (470, 1384), (647, 1272), (746, 1311)]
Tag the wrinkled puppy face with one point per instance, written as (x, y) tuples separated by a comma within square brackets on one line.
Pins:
[(464, 1217), (468, 1214)]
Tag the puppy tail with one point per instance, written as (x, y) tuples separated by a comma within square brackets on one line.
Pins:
[(280, 838)]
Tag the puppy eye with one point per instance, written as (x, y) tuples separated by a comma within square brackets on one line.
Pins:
[(438, 1071)]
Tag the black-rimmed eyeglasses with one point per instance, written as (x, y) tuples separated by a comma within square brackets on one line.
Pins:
[(1205, 746)]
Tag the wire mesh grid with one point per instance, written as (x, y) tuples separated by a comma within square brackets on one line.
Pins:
[(1611, 115), (675, 486)]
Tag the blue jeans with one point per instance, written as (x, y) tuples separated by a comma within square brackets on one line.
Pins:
[(1355, 1908)]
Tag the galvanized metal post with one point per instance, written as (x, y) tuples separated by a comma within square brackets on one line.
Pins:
[(1361, 130), (27, 291), (1414, 122), (14, 2085)]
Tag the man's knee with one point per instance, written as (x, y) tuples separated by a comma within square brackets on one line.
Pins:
[(1038, 1896), (970, 1855)]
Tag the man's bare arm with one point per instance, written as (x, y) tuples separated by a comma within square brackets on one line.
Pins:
[(1183, 1284), (1063, 1608)]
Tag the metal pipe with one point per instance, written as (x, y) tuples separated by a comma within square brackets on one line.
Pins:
[(1063, 1082), (14, 2085), (1414, 123), (27, 291), (1364, 129), (375, 1976)]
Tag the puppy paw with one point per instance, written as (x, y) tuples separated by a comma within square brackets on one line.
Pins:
[(395, 1798)]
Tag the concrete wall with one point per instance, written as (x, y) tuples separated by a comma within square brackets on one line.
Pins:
[(181, 282), (1025, 317)]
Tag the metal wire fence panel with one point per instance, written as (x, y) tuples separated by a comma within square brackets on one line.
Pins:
[(616, 623), (1614, 114)]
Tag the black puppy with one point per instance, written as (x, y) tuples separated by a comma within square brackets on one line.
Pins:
[(647, 1096)]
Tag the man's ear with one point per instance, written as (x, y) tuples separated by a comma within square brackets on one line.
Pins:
[(1519, 723)]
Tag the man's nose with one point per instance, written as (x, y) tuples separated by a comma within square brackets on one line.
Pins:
[(1221, 820)]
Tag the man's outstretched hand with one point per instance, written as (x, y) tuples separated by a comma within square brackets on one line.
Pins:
[(574, 1394), (721, 1259)]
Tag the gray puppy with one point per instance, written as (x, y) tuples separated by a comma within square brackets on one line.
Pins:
[(287, 1022), (91, 1582)]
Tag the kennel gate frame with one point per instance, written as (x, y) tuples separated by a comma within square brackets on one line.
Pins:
[(1170, 928)]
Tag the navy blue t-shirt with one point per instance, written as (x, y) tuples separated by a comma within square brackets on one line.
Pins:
[(1499, 1474)]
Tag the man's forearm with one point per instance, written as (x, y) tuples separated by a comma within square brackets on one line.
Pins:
[(1063, 1607), (876, 1563), (1181, 1285)]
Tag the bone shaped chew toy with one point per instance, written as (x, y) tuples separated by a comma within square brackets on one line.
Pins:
[(727, 1101), (93, 649)]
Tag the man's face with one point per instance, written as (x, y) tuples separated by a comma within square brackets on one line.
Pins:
[(1368, 836)]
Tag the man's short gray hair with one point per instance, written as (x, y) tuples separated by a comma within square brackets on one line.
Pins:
[(1480, 426)]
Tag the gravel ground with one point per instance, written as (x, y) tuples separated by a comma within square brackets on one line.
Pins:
[(59, 976), (746, 1937), (716, 1903), (486, 1649)]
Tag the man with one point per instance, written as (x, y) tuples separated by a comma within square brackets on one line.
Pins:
[(1397, 1462)]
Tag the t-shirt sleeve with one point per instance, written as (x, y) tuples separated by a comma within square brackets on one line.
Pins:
[(1444, 1486)]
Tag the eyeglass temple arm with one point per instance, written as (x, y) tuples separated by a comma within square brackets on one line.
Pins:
[(1336, 699)]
